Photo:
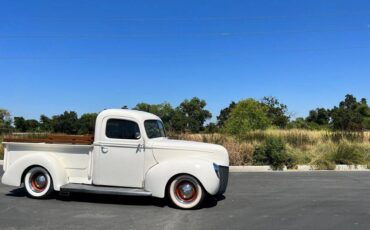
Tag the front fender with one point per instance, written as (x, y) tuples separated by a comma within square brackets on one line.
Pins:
[(159, 175), (13, 174)]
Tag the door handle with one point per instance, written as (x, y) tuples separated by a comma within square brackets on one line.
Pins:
[(104, 149)]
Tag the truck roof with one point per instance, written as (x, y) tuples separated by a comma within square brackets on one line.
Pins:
[(140, 115)]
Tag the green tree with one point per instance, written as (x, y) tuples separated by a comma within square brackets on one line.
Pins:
[(364, 110), (277, 112), (65, 123), (179, 121), (20, 124), (145, 107), (45, 124), (351, 115), (5, 121), (319, 116), (248, 115), (87, 123), (164, 111), (33, 125), (24, 125), (224, 114), (302, 123), (211, 128), (195, 113)]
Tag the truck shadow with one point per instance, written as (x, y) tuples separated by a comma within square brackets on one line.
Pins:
[(209, 202)]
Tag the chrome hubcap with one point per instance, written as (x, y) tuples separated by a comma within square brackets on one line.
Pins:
[(186, 191), (40, 181)]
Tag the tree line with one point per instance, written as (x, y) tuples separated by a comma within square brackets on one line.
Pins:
[(67, 122), (191, 116)]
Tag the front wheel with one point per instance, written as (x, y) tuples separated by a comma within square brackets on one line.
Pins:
[(186, 192), (38, 183)]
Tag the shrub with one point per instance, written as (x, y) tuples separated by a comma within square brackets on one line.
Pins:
[(322, 158), (324, 164), (349, 154), (342, 153), (273, 152), (301, 156)]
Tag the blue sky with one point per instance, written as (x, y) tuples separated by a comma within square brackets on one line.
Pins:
[(90, 55)]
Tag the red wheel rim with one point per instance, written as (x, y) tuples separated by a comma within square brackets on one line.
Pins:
[(39, 182), (186, 191)]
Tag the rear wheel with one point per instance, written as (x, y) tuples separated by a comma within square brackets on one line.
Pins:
[(186, 192), (38, 183)]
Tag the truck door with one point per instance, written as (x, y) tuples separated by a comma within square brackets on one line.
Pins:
[(119, 156)]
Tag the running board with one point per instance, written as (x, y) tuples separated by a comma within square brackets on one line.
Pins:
[(85, 188)]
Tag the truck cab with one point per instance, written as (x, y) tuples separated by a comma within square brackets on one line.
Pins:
[(130, 155)]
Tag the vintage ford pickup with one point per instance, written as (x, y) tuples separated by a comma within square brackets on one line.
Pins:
[(129, 155)]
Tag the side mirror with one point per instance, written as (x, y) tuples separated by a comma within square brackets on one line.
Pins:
[(137, 135)]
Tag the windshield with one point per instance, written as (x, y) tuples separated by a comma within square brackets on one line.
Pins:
[(154, 128)]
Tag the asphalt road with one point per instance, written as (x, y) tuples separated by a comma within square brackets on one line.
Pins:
[(286, 200)]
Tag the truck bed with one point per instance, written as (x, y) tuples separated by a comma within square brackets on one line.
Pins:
[(53, 139), (75, 156)]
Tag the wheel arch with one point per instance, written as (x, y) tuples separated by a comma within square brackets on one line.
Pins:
[(31, 167), (181, 174), (15, 173)]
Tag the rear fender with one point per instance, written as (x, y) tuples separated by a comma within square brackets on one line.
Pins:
[(14, 172)]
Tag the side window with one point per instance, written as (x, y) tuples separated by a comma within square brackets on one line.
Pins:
[(122, 129)]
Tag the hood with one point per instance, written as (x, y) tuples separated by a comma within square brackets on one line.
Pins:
[(167, 148)]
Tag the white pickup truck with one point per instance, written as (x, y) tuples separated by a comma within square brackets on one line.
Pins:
[(130, 155)]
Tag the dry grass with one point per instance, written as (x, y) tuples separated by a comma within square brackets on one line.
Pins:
[(240, 152), (307, 147)]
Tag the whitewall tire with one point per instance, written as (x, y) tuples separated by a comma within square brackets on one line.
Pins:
[(186, 192), (38, 183)]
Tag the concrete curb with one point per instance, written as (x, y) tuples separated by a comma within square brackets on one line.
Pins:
[(263, 168), (300, 168), (1, 162)]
